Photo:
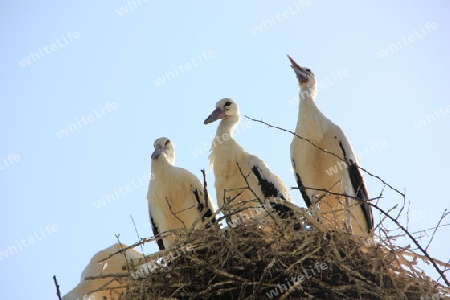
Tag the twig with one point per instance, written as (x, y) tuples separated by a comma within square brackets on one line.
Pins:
[(380, 196), (263, 276), (326, 151), (389, 211), (444, 214), (407, 214), (401, 210), (441, 273), (143, 241), (253, 192), (334, 193), (137, 233), (58, 292), (105, 287), (422, 231), (174, 214), (124, 254), (220, 272)]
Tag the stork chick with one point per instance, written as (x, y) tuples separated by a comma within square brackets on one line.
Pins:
[(105, 262), (310, 165), (175, 196), (230, 163)]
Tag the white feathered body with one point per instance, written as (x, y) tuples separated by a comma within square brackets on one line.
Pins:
[(319, 170), (172, 199), (116, 264), (230, 184)]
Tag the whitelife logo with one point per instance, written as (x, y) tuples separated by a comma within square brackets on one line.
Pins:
[(187, 66), (391, 48), (11, 158), (129, 7), (48, 50), (72, 127), (143, 181), (433, 117), (31, 240), (299, 5)]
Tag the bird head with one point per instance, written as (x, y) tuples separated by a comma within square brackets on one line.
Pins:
[(164, 147), (306, 77), (225, 108)]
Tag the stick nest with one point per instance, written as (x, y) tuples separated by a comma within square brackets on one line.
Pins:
[(248, 262)]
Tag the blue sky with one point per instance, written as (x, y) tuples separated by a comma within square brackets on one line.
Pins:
[(100, 66)]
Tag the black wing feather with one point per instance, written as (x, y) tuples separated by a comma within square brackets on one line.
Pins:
[(301, 187), (269, 190), (156, 232), (201, 207), (359, 187)]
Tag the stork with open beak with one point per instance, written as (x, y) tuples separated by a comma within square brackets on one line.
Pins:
[(317, 170)]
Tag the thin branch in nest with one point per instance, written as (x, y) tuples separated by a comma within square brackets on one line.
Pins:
[(253, 192), (220, 272), (415, 242), (401, 210), (58, 292), (410, 253), (235, 209), (141, 242), (263, 276), (326, 151), (227, 200), (137, 233), (173, 213), (106, 288), (444, 214), (448, 264), (124, 255), (184, 209), (384, 217), (337, 194), (326, 192), (407, 214), (422, 231), (380, 196)]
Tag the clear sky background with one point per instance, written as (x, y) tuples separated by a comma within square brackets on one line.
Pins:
[(115, 58)]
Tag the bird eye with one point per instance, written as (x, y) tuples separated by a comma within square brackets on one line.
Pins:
[(308, 70), (228, 103), (167, 142)]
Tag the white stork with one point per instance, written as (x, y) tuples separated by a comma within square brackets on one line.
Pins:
[(227, 156), (113, 265), (175, 196), (311, 165)]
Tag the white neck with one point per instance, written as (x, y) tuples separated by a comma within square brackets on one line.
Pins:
[(308, 92), (162, 163), (224, 148), (311, 122), (307, 104), (227, 126)]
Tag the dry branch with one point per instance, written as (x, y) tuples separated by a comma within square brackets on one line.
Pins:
[(58, 292), (331, 153)]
